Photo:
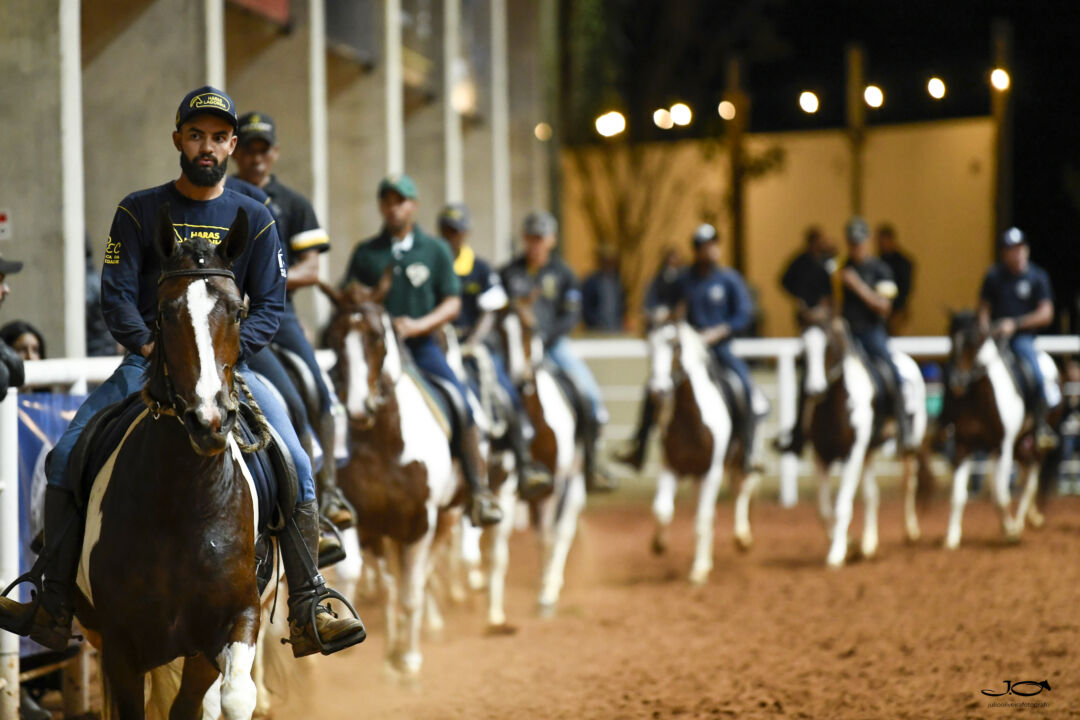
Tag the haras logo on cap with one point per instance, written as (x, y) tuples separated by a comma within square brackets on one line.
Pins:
[(255, 124), (209, 100)]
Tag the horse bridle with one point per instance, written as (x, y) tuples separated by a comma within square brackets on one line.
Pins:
[(174, 404)]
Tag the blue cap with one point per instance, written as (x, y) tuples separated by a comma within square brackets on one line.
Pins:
[(455, 216), (206, 101), (1013, 237)]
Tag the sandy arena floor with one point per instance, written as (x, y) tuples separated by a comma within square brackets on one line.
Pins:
[(916, 633)]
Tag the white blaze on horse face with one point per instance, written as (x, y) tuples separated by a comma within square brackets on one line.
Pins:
[(200, 304), (392, 362), (356, 399), (515, 350), (660, 357), (814, 344)]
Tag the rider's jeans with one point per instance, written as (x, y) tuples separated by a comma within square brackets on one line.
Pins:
[(1024, 347), (429, 357), (126, 379), (722, 352), (291, 336), (561, 354), (875, 342)]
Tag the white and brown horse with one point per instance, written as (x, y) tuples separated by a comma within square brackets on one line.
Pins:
[(987, 413), (556, 446), (697, 441), (400, 477), (847, 426)]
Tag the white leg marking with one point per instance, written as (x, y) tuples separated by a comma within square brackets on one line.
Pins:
[(238, 693), (870, 507), (200, 304), (744, 538), (959, 499)]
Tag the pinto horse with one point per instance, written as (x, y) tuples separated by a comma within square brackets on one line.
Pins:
[(848, 426), (168, 561), (556, 446), (400, 476), (986, 411), (697, 441)]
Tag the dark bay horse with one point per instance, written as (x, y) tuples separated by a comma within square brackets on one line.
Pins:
[(168, 563), (847, 427), (697, 440), (400, 476), (986, 411)]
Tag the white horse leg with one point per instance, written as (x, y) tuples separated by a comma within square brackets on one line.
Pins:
[(390, 588), (470, 553), (565, 528), (744, 539), (911, 483), (414, 572), (1027, 499), (1002, 472), (961, 477), (871, 498), (845, 499), (211, 704), (497, 546), (825, 506), (238, 692), (663, 509), (703, 522), (351, 569)]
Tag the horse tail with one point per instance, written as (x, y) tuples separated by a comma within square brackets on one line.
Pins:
[(1048, 474), (925, 480)]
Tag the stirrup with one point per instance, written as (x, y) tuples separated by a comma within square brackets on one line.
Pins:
[(33, 576), (321, 595), (336, 497)]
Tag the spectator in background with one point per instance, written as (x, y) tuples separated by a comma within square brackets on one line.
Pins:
[(902, 270), (28, 343), (99, 341), (603, 299), (808, 278), (11, 364), (663, 290)]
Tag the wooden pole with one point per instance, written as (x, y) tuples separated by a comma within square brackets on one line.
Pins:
[(736, 133), (856, 123)]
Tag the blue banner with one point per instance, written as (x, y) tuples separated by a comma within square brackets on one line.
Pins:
[(43, 417)]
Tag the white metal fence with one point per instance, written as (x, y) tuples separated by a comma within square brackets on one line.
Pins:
[(77, 373)]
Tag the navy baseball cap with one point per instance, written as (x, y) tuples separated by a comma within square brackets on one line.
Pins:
[(9, 267), (704, 235), (206, 101), (455, 216), (1013, 237), (256, 126)]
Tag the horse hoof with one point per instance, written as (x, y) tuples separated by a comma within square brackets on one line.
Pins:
[(545, 611), (1037, 520), (408, 665), (659, 547), (952, 543), (699, 577), (743, 543), (868, 552), (477, 579), (913, 536), (500, 630)]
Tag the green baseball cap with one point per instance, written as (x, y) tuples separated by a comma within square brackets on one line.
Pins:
[(400, 183)]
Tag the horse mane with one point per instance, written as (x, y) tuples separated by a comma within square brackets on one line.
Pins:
[(693, 347)]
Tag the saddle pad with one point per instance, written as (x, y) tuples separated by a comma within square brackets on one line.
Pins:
[(434, 399)]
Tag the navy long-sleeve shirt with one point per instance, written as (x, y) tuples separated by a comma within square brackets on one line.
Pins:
[(558, 307), (717, 296), (132, 265)]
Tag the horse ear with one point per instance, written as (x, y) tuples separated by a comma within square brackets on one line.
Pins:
[(337, 298), (385, 283), (164, 234), (236, 240)]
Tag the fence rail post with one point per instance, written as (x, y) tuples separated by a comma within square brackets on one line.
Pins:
[(787, 399), (9, 547)]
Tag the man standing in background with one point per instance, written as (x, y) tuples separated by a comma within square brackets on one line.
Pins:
[(902, 270)]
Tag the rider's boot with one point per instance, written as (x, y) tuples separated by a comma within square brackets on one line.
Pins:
[(483, 508), (332, 502), (534, 480), (793, 439), (749, 432), (50, 625), (904, 434), (597, 478), (299, 545), (634, 455), (1045, 437)]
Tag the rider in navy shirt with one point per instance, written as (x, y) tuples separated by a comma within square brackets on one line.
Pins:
[(482, 294), (200, 207), (1016, 297), (867, 301), (719, 306)]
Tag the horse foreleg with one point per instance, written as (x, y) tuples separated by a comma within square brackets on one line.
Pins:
[(1027, 499), (198, 675), (238, 693), (845, 500), (497, 552), (1002, 473), (825, 506), (871, 498), (390, 590), (911, 484), (961, 477), (470, 576), (564, 529), (164, 687), (125, 690), (663, 509), (351, 569), (704, 519), (414, 573), (747, 486)]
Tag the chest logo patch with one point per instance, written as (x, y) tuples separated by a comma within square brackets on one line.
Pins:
[(716, 293), (1023, 289), (550, 286), (418, 274)]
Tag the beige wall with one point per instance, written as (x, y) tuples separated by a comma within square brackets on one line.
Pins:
[(932, 181)]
